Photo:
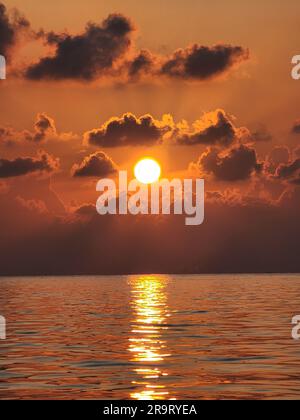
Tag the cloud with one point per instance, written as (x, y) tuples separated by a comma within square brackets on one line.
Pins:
[(36, 189), (289, 172), (225, 243), (10, 29), (128, 130), (8, 136), (43, 128), (95, 165), (279, 155), (144, 63), (284, 164), (28, 165), (87, 56), (236, 164), (261, 135), (215, 128), (108, 50), (85, 210), (36, 206), (202, 63), (296, 127)]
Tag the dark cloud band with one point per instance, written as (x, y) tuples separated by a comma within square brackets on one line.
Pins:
[(86, 56), (95, 165), (106, 50), (27, 165), (10, 28), (202, 63)]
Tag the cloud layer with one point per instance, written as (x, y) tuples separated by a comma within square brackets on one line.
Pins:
[(236, 164), (44, 130), (213, 128), (27, 165), (95, 165), (128, 130), (289, 172), (86, 56), (10, 29), (201, 63), (108, 49), (86, 243), (55, 232)]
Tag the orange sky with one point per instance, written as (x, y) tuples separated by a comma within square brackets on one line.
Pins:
[(261, 93), (252, 95)]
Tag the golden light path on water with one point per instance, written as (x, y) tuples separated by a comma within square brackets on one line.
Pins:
[(147, 345)]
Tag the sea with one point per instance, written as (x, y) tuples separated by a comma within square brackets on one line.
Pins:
[(150, 337)]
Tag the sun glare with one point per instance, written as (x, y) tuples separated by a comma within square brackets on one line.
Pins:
[(147, 171)]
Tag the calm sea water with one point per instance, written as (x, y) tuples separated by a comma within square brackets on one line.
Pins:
[(150, 337)]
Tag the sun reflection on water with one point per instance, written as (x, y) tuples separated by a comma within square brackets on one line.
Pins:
[(147, 346)]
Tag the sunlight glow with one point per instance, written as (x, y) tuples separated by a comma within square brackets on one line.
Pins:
[(147, 344), (147, 171)]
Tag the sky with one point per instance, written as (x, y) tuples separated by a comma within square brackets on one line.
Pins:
[(203, 87)]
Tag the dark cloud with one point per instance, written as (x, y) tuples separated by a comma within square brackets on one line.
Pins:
[(27, 165), (86, 56), (261, 135), (218, 129), (107, 49), (43, 127), (213, 128), (95, 165), (36, 189), (142, 64), (7, 31), (86, 210), (202, 63), (10, 28), (226, 243), (128, 130), (8, 136), (279, 155), (289, 172), (237, 164), (296, 127)]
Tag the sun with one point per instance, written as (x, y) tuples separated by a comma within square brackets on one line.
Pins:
[(147, 171)]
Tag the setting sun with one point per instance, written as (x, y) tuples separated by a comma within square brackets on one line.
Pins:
[(147, 171)]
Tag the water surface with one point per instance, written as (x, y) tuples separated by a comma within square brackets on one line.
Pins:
[(150, 337)]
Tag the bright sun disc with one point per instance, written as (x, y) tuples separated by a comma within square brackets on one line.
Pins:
[(147, 171)]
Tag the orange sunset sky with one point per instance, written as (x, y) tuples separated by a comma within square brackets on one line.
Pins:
[(203, 87)]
